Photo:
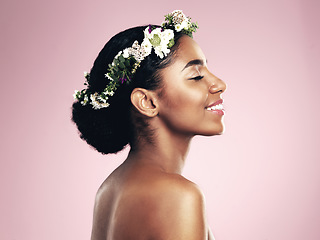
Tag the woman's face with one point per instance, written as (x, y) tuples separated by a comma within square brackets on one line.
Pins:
[(190, 102)]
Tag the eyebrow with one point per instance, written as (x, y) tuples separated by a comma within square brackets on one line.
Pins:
[(193, 62)]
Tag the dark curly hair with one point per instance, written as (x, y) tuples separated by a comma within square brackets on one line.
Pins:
[(110, 129)]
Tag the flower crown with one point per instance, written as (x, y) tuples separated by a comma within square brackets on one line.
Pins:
[(127, 61)]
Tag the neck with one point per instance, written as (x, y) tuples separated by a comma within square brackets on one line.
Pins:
[(167, 151)]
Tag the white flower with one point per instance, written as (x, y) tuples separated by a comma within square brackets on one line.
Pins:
[(93, 96), (165, 51), (168, 33), (135, 45), (75, 94), (102, 100), (158, 51), (156, 31), (119, 53), (85, 100), (137, 51), (178, 27), (106, 92), (85, 74), (157, 39), (185, 24), (164, 43), (97, 102), (146, 32), (104, 105), (147, 47), (125, 53), (178, 16)]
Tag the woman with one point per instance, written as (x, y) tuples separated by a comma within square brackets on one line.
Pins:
[(150, 88)]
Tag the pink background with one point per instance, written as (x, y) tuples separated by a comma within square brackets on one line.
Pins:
[(261, 178)]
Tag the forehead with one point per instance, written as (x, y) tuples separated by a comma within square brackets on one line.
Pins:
[(188, 50)]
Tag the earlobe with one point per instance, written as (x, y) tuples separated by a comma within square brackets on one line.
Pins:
[(145, 102)]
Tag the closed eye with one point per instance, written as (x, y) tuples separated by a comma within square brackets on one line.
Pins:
[(197, 78)]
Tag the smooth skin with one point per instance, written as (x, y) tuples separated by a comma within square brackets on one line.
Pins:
[(146, 198)]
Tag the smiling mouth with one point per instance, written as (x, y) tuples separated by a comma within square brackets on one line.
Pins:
[(215, 107)]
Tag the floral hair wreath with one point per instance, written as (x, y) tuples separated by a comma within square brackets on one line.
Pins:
[(127, 61)]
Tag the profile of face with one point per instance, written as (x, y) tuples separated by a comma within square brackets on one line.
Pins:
[(190, 102)]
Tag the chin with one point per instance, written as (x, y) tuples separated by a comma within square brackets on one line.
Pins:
[(217, 130)]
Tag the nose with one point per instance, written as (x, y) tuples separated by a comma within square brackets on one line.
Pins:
[(216, 85)]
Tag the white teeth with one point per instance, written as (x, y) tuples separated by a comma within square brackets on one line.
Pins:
[(216, 107)]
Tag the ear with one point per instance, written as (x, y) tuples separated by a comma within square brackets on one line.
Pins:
[(145, 102)]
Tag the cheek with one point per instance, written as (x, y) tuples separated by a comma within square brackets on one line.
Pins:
[(185, 97), (184, 103)]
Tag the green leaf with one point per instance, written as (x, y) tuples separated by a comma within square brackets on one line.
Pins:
[(127, 63), (171, 43), (121, 58), (156, 40), (121, 65)]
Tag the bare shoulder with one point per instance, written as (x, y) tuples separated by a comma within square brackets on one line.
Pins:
[(176, 188), (177, 210), (160, 188), (152, 205)]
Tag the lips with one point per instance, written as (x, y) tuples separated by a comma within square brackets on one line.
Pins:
[(216, 107), (220, 101)]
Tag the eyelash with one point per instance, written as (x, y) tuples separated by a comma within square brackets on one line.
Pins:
[(197, 78)]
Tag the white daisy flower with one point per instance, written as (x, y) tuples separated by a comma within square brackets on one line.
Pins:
[(147, 47), (178, 27)]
